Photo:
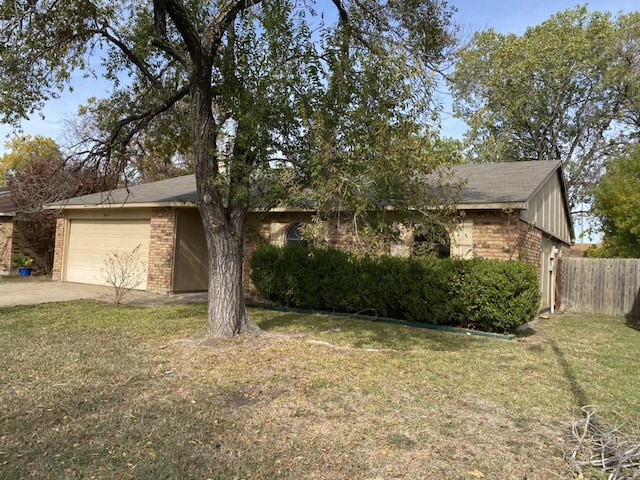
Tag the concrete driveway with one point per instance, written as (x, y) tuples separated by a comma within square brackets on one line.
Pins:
[(33, 291)]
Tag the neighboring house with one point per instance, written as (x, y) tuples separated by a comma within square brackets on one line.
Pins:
[(578, 250), (16, 236), (510, 211)]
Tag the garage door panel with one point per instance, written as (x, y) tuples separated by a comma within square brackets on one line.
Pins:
[(92, 241)]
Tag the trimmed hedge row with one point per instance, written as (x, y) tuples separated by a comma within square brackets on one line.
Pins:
[(487, 295)]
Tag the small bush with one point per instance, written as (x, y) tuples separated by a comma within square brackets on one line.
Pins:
[(498, 296), (124, 271), (487, 295)]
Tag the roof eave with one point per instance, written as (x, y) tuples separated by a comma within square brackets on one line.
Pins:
[(163, 205), (121, 205), (283, 210), (461, 206)]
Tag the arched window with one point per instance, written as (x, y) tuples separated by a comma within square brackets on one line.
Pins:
[(294, 235), (432, 241)]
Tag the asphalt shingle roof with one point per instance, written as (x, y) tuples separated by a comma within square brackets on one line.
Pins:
[(507, 182), (171, 191), (487, 183)]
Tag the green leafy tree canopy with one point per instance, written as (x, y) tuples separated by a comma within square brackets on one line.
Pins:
[(21, 151), (617, 204)]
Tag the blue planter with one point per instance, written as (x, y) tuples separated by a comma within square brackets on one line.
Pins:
[(24, 272)]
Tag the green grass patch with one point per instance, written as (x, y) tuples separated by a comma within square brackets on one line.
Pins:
[(90, 390)]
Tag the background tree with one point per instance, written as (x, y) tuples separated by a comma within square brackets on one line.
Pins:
[(558, 92), (37, 174), (625, 72), (617, 204), (21, 151), (330, 88)]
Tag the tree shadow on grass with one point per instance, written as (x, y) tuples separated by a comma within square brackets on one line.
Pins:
[(632, 321), (633, 316), (569, 374), (368, 332)]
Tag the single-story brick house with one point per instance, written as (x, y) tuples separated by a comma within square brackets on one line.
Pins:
[(513, 211)]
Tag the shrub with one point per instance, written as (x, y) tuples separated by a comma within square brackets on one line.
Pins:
[(498, 296), (431, 297), (264, 276), (482, 294)]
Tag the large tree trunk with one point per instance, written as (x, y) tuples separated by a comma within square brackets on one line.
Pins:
[(227, 312), (223, 218)]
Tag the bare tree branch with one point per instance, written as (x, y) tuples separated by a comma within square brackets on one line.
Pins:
[(141, 120)]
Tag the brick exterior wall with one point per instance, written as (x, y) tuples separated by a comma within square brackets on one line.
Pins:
[(161, 250), (496, 235), (58, 252), (340, 233), (6, 236), (505, 236), (531, 248)]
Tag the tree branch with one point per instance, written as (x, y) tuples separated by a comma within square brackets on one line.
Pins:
[(226, 15), (105, 148), (128, 53), (342, 12), (346, 21), (161, 40), (180, 17)]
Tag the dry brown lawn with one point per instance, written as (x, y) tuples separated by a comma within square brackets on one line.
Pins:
[(90, 390)]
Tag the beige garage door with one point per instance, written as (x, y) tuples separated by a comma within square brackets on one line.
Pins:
[(91, 241)]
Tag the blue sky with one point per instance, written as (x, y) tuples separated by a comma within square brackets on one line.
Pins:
[(501, 15), (515, 17)]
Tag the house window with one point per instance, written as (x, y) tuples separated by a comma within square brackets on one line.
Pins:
[(431, 241), (294, 235)]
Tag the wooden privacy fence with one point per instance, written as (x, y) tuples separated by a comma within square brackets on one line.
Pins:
[(609, 286)]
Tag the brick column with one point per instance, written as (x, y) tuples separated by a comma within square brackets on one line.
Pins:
[(58, 252), (161, 250)]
